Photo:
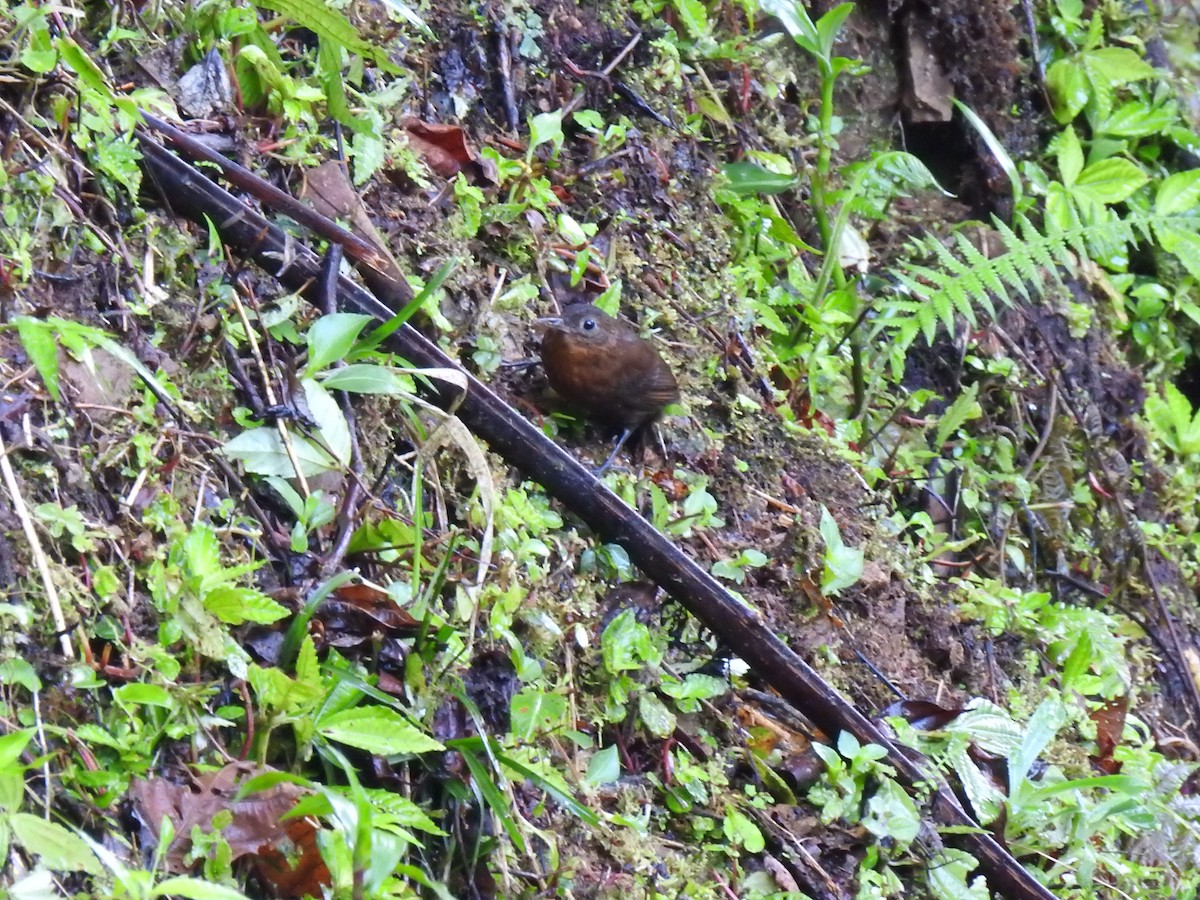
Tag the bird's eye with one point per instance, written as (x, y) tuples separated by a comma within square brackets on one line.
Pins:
[(589, 324)]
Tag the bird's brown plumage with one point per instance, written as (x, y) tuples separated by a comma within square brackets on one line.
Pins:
[(603, 366)]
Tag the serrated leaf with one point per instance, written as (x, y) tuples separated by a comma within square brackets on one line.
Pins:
[(1178, 193), (694, 17), (1110, 180), (330, 24), (891, 813), (376, 729), (1136, 119)]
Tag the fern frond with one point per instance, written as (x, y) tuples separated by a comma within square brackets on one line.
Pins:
[(958, 280)]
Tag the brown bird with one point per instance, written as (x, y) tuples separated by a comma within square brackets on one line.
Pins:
[(603, 366)]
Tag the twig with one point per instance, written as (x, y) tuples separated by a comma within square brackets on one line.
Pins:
[(39, 555)]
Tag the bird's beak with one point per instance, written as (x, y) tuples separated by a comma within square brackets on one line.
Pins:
[(550, 322)]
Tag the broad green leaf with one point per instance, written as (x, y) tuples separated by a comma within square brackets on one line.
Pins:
[(891, 813), (537, 712), (1069, 154), (1136, 119), (1068, 86), (604, 767), (796, 22), (1110, 180), (195, 889), (751, 178), (1117, 65), (741, 831), (1184, 244), (1039, 731), (947, 872), (42, 350), (843, 565), (366, 378), (82, 64), (376, 729), (236, 605), (262, 452), (331, 337), (546, 128), (330, 24), (694, 17), (828, 26), (144, 695), (1178, 193), (12, 745), (659, 720), (327, 413), (962, 410), (59, 848)]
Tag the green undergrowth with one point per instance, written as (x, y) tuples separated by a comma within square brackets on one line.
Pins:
[(243, 552)]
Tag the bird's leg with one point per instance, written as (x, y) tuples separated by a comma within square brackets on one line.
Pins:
[(617, 449)]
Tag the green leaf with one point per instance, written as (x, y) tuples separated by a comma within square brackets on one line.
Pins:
[(60, 849), (236, 605), (891, 813), (963, 409), (625, 643), (1136, 119), (546, 128), (1068, 85), (12, 746), (537, 712), (796, 21), (378, 730), (604, 767), (1110, 180), (194, 888), (995, 145), (87, 70), (366, 378), (331, 337), (38, 342), (143, 695), (1178, 193), (694, 17), (751, 178), (659, 720), (20, 671), (1069, 154), (1041, 728), (843, 565), (330, 24), (741, 831), (947, 873), (1185, 245), (1117, 65), (828, 26)]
